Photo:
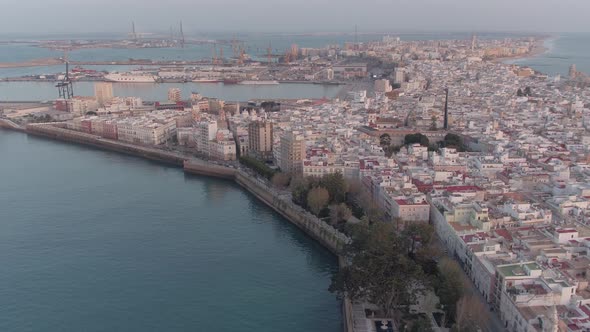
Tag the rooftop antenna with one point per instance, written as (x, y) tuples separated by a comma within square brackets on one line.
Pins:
[(181, 35), (133, 33), (269, 53)]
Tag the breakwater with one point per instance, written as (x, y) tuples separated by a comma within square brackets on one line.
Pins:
[(5, 123)]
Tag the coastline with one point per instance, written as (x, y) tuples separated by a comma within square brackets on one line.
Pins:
[(540, 48)]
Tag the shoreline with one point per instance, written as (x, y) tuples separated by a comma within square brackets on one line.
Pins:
[(538, 49)]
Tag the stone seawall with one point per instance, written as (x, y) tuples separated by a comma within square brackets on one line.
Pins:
[(319, 230), (207, 169)]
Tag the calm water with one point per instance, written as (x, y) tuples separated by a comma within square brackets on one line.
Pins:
[(97, 241), (154, 92), (256, 45), (563, 51)]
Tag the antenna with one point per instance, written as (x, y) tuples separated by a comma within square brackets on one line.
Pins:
[(133, 33), (214, 53), (356, 35), (181, 35)]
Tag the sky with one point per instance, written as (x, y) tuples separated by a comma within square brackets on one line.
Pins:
[(115, 16)]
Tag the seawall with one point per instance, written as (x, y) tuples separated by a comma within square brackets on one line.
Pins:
[(67, 135), (200, 167), (319, 230)]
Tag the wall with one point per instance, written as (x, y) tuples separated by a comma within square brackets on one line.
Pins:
[(328, 236), (93, 140)]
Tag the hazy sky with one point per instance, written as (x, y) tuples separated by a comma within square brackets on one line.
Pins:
[(80, 16)]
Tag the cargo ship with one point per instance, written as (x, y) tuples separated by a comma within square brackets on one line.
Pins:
[(259, 82), (130, 78), (231, 81), (205, 80)]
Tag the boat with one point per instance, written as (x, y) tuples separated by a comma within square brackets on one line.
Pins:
[(259, 82), (130, 78), (231, 81), (205, 80), (79, 69)]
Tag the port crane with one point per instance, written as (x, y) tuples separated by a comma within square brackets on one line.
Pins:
[(65, 87)]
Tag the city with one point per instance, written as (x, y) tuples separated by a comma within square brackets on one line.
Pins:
[(451, 182)]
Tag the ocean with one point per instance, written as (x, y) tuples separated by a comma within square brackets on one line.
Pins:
[(563, 50), (98, 241)]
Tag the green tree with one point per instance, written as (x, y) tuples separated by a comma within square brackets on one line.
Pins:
[(528, 92), (433, 123), (281, 180), (385, 140), (417, 235), (257, 166), (317, 199), (390, 150), (451, 286), (422, 324), (299, 188), (472, 315), (336, 186), (453, 141), (379, 270), (519, 93), (339, 213), (416, 138)]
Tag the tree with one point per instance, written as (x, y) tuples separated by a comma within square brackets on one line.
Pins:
[(385, 140), (299, 188), (416, 138), (472, 315), (370, 208), (519, 93), (281, 180), (433, 147), (339, 213), (453, 141), (390, 150), (433, 123), (336, 186), (527, 91), (379, 270), (418, 235), (422, 324), (257, 166), (451, 286), (317, 199)]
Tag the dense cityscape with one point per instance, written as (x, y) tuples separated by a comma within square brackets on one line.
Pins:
[(474, 166)]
